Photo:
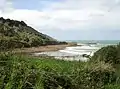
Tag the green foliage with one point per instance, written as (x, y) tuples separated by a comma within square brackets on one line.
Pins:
[(16, 73), (22, 72), (17, 34), (53, 80), (109, 54), (94, 76), (112, 86)]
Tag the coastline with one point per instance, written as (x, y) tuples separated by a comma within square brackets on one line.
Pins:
[(43, 48)]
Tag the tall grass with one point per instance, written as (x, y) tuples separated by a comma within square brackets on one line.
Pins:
[(24, 72)]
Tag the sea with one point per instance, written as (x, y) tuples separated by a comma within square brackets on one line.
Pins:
[(104, 42), (84, 47)]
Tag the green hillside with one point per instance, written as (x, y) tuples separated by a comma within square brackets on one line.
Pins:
[(17, 34)]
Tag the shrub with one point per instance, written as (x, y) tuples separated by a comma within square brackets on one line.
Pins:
[(112, 86), (17, 73), (107, 54), (94, 76), (56, 80)]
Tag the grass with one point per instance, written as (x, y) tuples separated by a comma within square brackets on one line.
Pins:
[(17, 70), (25, 72)]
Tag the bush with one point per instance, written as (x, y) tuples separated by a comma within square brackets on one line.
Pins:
[(107, 54), (16, 73), (95, 76), (112, 86), (55, 80)]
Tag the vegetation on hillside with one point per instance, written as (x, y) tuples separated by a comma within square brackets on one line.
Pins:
[(102, 71), (25, 72), (18, 72), (17, 34), (109, 54)]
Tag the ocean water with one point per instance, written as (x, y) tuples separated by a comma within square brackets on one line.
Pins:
[(89, 47), (97, 41)]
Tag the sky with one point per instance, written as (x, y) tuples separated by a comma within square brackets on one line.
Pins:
[(67, 19)]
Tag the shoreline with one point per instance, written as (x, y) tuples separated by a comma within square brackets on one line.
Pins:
[(47, 48)]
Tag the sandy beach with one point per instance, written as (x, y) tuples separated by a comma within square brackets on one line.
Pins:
[(42, 48)]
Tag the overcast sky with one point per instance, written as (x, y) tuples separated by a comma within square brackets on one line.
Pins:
[(68, 19)]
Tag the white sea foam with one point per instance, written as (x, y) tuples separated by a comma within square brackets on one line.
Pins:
[(73, 53), (80, 50)]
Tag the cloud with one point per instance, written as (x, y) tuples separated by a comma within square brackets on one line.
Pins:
[(2, 4), (5, 6), (85, 15)]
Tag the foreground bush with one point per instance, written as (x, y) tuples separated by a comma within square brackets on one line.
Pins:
[(112, 86), (109, 54), (95, 76), (16, 73), (19, 72)]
